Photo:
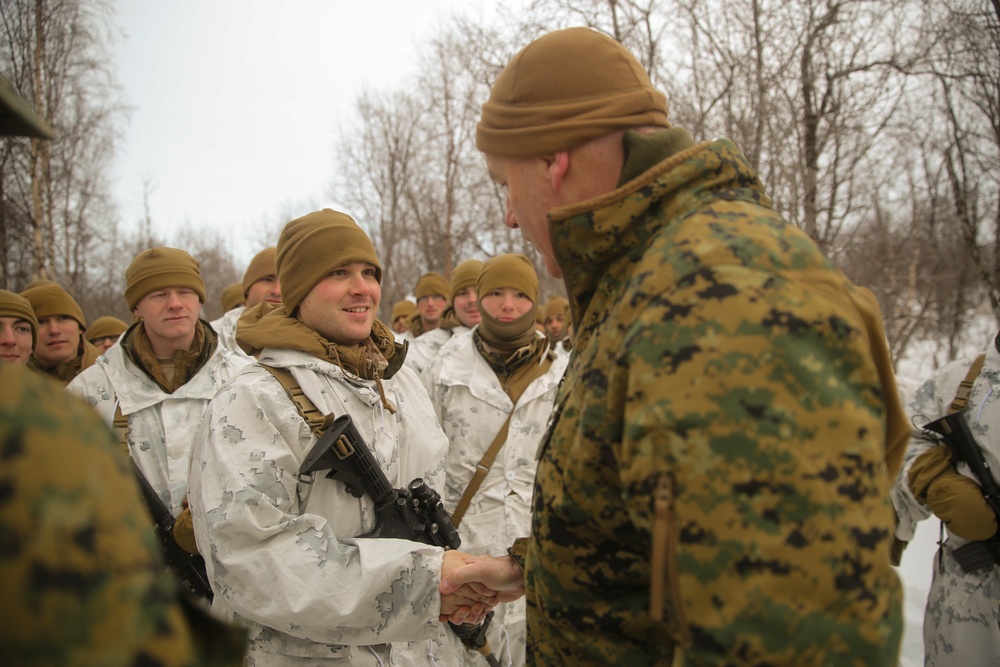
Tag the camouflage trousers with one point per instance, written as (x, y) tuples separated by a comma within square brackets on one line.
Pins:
[(962, 618)]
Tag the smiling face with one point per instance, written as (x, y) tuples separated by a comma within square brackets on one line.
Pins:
[(341, 307), (169, 317), (15, 340), (528, 197), (58, 340), (507, 304)]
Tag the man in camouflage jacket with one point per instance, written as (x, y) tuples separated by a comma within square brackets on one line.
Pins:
[(714, 486)]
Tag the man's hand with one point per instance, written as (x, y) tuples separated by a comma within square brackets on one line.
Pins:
[(479, 578), (464, 604)]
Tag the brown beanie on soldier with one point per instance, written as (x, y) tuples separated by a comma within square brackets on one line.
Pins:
[(312, 246), (563, 90)]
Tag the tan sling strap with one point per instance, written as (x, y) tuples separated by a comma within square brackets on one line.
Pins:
[(119, 424), (516, 387), (965, 388), (317, 421)]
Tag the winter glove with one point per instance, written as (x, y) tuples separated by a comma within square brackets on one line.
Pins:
[(183, 530), (954, 498)]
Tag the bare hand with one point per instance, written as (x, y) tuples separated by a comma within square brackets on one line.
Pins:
[(482, 577), (468, 603)]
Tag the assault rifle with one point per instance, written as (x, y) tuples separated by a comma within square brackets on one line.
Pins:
[(188, 568), (954, 430), (414, 513)]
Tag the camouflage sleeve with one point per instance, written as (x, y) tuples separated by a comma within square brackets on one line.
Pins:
[(928, 403), (753, 435), (83, 583)]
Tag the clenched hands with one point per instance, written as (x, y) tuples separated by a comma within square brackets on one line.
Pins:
[(472, 585)]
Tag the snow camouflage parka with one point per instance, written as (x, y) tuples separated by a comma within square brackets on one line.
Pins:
[(962, 619), (161, 426), (472, 406), (285, 559), (225, 326), (723, 418), (425, 348)]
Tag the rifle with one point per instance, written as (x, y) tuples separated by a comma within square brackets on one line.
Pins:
[(188, 568), (954, 430), (414, 513)]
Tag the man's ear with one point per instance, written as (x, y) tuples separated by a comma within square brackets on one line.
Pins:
[(556, 168)]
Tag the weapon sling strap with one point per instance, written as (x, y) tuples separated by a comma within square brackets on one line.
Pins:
[(317, 421), (516, 387), (965, 388)]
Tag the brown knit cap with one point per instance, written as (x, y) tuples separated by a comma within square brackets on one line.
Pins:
[(431, 284), (105, 326), (402, 308), (312, 246), (563, 90), (232, 296), (159, 268), (50, 299), (514, 271), (261, 266), (464, 275), (556, 306), (14, 305)]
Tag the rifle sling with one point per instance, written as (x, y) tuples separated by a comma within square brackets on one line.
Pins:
[(316, 420), (518, 384), (965, 387)]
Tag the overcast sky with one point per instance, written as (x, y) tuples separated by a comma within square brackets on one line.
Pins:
[(236, 104)]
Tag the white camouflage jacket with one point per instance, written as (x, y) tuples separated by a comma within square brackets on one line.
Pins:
[(225, 326), (472, 406), (424, 348), (285, 558), (161, 426), (962, 616)]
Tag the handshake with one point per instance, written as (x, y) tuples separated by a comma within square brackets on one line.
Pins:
[(472, 585)]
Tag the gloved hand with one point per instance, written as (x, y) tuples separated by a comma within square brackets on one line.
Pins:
[(183, 530), (954, 498)]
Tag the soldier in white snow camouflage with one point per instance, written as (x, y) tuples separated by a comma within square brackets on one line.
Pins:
[(962, 618)]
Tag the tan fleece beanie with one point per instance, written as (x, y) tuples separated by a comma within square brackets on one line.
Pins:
[(431, 284), (14, 305), (563, 90), (50, 299), (514, 271), (312, 246), (105, 326), (261, 266), (556, 306), (159, 268), (232, 296), (464, 275), (402, 308)]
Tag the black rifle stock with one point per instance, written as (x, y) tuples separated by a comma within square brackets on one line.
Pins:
[(415, 513), (188, 568), (954, 430)]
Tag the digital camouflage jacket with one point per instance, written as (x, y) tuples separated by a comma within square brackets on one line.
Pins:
[(713, 489), (80, 571)]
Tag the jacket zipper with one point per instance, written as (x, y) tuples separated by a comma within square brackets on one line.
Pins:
[(664, 586)]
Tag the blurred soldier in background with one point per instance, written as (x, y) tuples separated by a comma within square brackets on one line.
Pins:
[(459, 316), (105, 331), (62, 351)]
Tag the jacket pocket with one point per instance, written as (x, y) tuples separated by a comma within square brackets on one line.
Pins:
[(665, 602)]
